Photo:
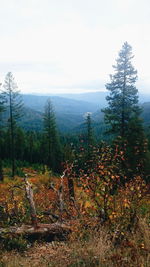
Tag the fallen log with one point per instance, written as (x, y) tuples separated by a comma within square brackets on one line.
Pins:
[(45, 231)]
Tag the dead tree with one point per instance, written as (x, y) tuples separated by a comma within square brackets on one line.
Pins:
[(29, 195)]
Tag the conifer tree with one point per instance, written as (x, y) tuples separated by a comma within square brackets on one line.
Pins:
[(123, 112), (90, 136), (123, 97), (2, 102), (53, 148), (86, 154), (20, 144), (2, 108), (14, 106)]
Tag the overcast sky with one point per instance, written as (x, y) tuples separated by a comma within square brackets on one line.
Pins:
[(54, 46)]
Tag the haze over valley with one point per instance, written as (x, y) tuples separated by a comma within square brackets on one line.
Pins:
[(70, 110)]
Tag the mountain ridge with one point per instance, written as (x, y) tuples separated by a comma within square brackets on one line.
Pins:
[(69, 113)]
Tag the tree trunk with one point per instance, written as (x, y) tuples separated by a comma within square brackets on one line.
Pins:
[(29, 195), (11, 132)]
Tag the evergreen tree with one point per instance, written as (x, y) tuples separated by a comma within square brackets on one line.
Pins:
[(85, 150), (2, 108), (20, 144), (14, 107), (31, 147), (123, 111), (90, 136), (123, 98), (53, 149), (136, 148), (2, 102)]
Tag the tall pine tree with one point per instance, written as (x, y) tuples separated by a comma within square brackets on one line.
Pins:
[(14, 106), (123, 112), (2, 108), (89, 136), (53, 152)]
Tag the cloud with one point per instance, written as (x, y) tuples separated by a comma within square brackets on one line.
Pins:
[(71, 44)]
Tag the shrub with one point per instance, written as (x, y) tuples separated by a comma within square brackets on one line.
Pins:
[(14, 243)]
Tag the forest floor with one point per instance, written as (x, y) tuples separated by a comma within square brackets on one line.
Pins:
[(91, 253), (91, 243)]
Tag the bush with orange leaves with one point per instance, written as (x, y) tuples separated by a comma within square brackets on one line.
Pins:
[(105, 191), (14, 207), (98, 193)]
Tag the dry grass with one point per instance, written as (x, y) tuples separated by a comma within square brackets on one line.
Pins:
[(93, 251), (96, 250), (72, 253)]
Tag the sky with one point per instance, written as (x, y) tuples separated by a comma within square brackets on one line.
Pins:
[(69, 46)]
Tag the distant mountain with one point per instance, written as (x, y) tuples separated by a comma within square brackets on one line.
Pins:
[(69, 112), (33, 120), (94, 100), (98, 98), (61, 104)]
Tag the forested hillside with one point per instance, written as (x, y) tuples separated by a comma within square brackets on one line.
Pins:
[(70, 113), (75, 175), (71, 108)]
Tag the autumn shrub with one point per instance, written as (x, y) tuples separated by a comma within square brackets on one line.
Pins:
[(130, 203), (104, 190), (46, 179)]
